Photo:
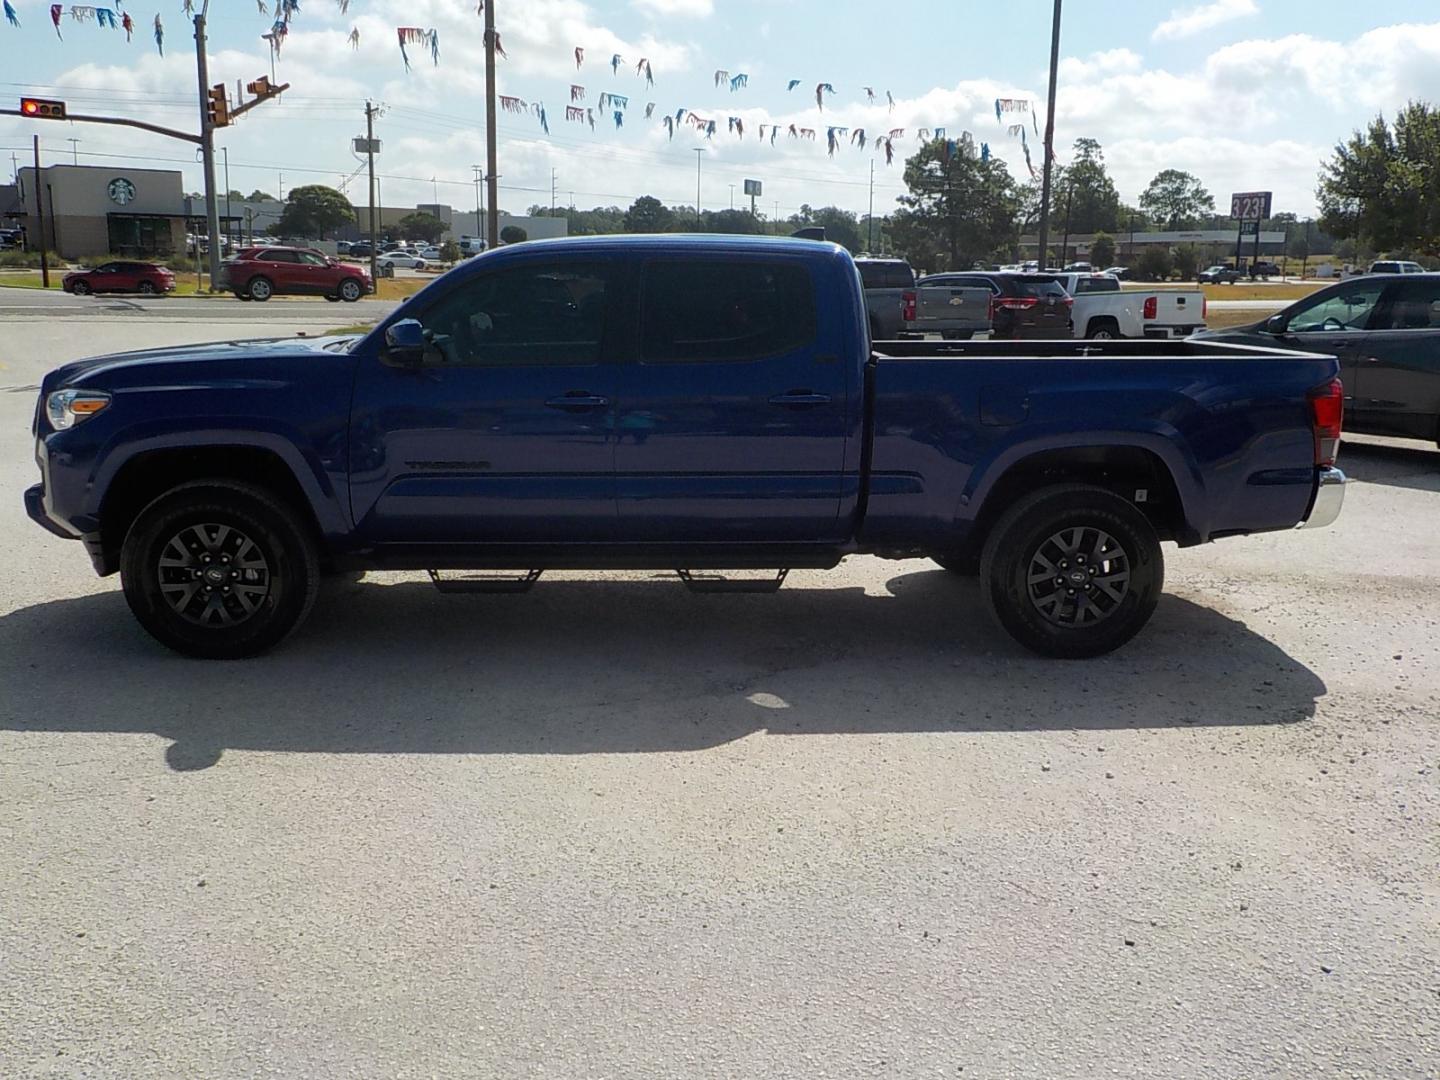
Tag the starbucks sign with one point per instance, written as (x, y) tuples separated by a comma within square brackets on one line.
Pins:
[(121, 191)]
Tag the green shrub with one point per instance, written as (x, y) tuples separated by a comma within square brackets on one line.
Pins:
[(450, 251), (28, 260)]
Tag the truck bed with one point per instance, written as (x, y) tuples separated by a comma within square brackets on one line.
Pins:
[(1229, 424)]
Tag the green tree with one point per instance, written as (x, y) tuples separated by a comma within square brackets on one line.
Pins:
[(1154, 264), (513, 234), (421, 226), (314, 210), (841, 226), (1186, 261), (648, 214), (260, 196), (1176, 200), (450, 251), (1102, 250), (959, 208), (1381, 187), (730, 221), (1087, 194)]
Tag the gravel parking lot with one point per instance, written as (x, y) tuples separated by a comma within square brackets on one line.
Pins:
[(611, 829)]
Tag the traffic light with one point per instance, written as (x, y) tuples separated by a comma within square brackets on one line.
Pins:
[(219, 106), (42, 109), (260, 87)]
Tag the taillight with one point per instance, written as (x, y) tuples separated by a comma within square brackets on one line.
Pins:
[(1152, 307), (907, 306), (1327, 412), (1017, 303)]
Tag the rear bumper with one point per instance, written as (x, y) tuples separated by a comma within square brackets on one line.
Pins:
[(1329, 498)]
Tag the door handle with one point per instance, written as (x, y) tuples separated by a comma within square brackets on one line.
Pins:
[(577, 399), (1372, 360), (800, 399)]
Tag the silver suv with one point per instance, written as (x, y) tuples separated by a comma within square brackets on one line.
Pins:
[(1392, 266)]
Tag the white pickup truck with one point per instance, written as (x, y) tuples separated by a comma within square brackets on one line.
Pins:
[(1104, 310)]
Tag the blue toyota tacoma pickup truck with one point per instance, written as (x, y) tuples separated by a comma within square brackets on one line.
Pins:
[(679, 403)]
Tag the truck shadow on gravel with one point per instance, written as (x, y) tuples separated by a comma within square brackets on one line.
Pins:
[(578, 667), (1416, 466)]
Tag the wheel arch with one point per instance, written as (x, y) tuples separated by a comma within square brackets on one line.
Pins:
[(149, 473), (1171, 488)]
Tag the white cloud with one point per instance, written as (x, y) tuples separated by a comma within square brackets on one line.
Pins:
[(695, 9), (1186, 22)]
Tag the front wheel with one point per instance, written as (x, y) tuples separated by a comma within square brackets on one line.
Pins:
[(351, 290), (219, 570), (147, 289), (1072, 571), (80, 288)]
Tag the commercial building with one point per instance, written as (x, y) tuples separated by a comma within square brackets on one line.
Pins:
[(98, 210), (1214, 244)]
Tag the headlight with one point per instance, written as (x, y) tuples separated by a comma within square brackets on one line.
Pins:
[(66, 408)]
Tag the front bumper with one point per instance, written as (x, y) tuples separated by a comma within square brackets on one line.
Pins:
[(35, 508), (1329, 498)]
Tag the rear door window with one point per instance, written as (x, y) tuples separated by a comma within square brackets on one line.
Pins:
[(697, 312), (278, 256), (1416, 306)]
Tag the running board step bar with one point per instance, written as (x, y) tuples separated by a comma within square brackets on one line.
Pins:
[(731, 585), (485, 584)]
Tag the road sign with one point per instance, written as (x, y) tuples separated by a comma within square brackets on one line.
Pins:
[(42, 108), (1250, 228), (363, 145), (754, 187), (1251, 205)]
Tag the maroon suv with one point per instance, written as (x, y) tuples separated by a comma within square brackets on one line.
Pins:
[(129, 277), (258, 273)]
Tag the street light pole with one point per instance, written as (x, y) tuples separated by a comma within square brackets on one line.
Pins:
[(207, 146), (699, 152), (1049, 149), (478, 173), (492, 175)]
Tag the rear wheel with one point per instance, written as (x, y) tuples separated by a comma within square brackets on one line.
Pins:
[(1103, 329), (260, 289), (351, 290), (219, 570), (1072, 571)]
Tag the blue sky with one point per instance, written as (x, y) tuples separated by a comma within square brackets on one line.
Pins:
[(1247, 94)]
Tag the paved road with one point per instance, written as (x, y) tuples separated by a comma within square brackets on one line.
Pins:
[(609, 829), (36, 304)]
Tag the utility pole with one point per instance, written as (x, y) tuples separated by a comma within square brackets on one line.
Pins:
[(870, 220), (370, 111), (1069, 205), (1049, 149), (207, 146), (226, 151), (479, 173), (40, 220), (554, 175), (74, 150), (732, 196), (492, 178), (699, 153)]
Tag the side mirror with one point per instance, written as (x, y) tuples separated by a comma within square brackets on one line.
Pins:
[(1276, 325), (405, 343)]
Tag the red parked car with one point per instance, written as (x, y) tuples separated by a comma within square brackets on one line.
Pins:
[(258, 273), (131, 277)]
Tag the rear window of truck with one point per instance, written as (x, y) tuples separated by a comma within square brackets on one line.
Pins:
[(1096, 284), (1032, 285), (694, 312), (886, 275)]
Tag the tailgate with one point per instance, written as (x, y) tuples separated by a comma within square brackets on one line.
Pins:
[(1177, 308), (952, 307)]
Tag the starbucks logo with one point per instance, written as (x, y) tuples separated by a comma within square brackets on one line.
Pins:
[(121, 191)]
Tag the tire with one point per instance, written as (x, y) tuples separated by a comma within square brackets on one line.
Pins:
[(1034, 534), (81, 288), (1103, 329), (147, 289), (265, 543), (966, 566), (260, 289), (351, 290)]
